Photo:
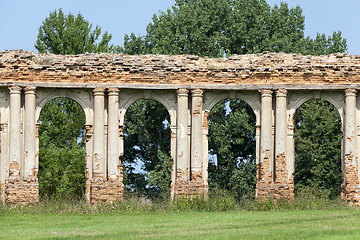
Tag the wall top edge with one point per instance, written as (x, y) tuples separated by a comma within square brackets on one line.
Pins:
[(186, 86), (107, 68)]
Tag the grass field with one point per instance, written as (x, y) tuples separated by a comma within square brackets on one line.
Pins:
[(286, 224)]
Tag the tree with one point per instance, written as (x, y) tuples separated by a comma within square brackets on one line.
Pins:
[(61, 133), (232, 141), (61, 149), (318, 139), (69, 34), (147, 140), (218, 28)]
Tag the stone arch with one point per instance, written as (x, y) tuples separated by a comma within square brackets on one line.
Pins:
[(82, 97), (167, 99), (296, 99), (252, 98)]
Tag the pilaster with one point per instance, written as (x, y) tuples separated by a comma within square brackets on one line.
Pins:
[(182, 143), (265, 166), (113, 133), (15, 132), (350, 186), (196, 134), (284, 185), (99, 135), (30, 165)]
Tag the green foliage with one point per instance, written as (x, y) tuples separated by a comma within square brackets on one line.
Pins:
[(160, 177), (318, 139), (147, 141), (232, 141), (216, 28), (323, 45), (69, 34), (61, 149)]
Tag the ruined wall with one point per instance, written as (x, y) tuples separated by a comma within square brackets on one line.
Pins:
[(105, 68), (266, 71)]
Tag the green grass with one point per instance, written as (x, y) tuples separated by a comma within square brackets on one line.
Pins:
[(312, 215), (341, 223)]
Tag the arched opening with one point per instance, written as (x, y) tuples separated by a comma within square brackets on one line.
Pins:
[(318, 138), (232, 148), (147, 162), (61, 149)]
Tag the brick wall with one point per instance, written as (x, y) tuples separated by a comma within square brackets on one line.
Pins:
[(265, 68)]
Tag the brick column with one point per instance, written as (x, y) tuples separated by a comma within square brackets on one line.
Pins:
[(181, 163), (265, 165), (113, 133), (182, 143), (30, 168), (196, 135), (197, 185), (15, 134), (283, 184), (350, 184), (99, 135)]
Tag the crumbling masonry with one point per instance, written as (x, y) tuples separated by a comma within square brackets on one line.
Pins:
[(105, 85)]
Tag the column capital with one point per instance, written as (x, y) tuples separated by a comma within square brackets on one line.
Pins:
[(197, 92), (182, 92), (281, 93), (266, 93), (30, 90), (15, 89), (350, 92), (99, 91), (113, 91)]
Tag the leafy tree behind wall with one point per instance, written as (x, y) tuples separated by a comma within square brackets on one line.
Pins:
[(232, 141), (61, 149), (318, 139), (147, 142)]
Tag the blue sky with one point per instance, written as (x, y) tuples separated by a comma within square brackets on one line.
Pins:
[(20, 19)]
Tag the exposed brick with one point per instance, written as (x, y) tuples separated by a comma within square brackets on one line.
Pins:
[(263, 68)]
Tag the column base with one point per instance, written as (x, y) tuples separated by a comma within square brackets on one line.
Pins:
[(184, 188), (108, 191), (350, 187), (19, 191), (266, 188), (189, 189)]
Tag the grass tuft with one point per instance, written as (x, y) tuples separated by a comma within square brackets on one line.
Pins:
[(218, 201)]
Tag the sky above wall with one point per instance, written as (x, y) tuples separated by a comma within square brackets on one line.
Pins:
[(20, 19)]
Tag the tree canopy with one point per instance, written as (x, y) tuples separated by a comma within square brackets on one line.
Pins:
[(69, 34), (216, 28)]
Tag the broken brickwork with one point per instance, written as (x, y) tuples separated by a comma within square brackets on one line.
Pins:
[(280, 188), (110, 190), (350, 187), (283, 186), (106, 68), (20, 191), (264, 179)]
